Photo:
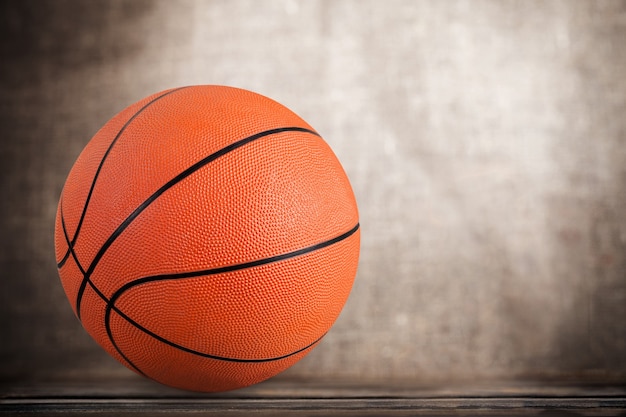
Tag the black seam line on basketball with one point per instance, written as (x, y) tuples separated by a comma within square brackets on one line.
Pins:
[(235, 267), (96, 290), (189, 350), (110, 336), (111, 302), (184, 174), (103, 297), (97, 174), (67, 240)]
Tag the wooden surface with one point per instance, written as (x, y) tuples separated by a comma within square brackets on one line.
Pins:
[(136, 396)]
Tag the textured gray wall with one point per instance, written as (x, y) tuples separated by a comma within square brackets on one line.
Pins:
[(485, 140)]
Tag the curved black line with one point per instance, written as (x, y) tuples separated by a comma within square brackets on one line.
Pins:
[(235, 267), (67, 240), (111, 302), (97, 291), (184, 174), (188, 350), (93, 183), (64, 259)]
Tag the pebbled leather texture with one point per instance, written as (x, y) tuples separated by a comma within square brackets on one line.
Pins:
[(207, 237)]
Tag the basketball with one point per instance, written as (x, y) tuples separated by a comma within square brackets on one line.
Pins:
[(207, 238)]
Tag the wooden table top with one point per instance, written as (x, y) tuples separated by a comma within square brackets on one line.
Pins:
[(134, 396)]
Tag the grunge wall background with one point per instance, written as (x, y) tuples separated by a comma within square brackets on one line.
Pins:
[(485, 140)]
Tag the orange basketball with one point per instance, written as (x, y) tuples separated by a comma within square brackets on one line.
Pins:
[(207, 237)]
